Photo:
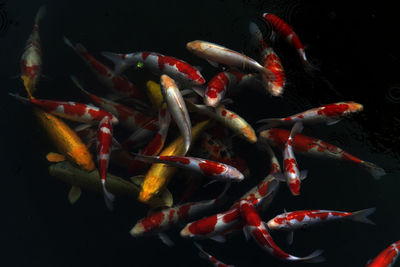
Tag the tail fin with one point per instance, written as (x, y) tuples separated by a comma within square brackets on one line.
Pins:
[(68, 42), (270, 123), (297, 128), (119, 63), (361, 216), (256, 35), (373, 169), (108, 197), (40, 14), (79, 48), (202, 253), (78, 84), (314, 257), (20, 98), (222, 198)]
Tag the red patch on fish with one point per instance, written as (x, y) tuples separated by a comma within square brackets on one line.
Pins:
[(295, 187), (183, 211), (203, 226), (180, 160), (171, 215), (211, 168), (152, 221), (290, 164), (231, 215), (333, 110), (145, 55), (183, 67), (122, 85)]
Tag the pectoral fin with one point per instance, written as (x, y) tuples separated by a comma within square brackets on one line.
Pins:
[(55, 157), (212, 63), (74, 194), (290, 237)]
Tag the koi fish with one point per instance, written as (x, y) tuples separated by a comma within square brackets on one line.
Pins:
[(31, 60), (154, 93), (115, 82), (255, 228), (91, 181), (210, 258), (212, 169), (227, 118), (292, 175), (156, 144), (271, 61), (215, 226), (214, 54), (177, 108), (387, 257), (70, 110), (288, 33), (104, 143), (159, 221), (312, 146), (157, 63), (158, 176), (290, 221), (220, 84), (329, 114), (129, 118)]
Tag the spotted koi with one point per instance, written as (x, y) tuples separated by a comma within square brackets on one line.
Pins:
[(31, 59), (329, 114), (177, 69), (117, 83), (255, 228), (312, 146), (210, 258), (387, 257)]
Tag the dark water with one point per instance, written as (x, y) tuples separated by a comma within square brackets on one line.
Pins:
[(356, 48)]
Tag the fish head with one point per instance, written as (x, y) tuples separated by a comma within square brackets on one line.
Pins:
[(354, 107), (249, 133), (185, 232), (137, 230), (212, 101), (277, 223), (194, 46)]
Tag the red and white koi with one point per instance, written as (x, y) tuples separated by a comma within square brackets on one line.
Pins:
[(70, 110), (292, 175), (271, 61), (312, 146), (115, 82), (255, 227), (290, 221), (228, 118), (387, 257), (288, 33), (212, 169), (221, 83), (31, 60), (164, 219), (104, 144), (177, 108), (210, 258), (216, 226), (214, 53), (129, 118), (157, 63), (329, 114)]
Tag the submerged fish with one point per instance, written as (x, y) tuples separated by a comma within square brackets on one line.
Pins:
[(387, 257), (31, 60), (210, 258)]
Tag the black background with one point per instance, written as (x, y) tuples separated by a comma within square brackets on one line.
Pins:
[(354, 44)]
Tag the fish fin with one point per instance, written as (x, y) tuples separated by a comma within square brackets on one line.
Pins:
[(256, 35), (74, 194), (80, 48), (270, 123), (310, 68), (314, 257), (202, 253), (226, 101), (82, 127), (280, 177), (303, 174), (361, 216), (78, 84), (138, 105), (55, 157), (297, 128), (148, 159), (210, 182), (218, 238), (68, 42), (24, 100), (246, 233), (332, 121), (290, 238), (108, 197), (40, 14), (119, 64), (223, 198), (212, 63), (137, 180), (186, 92), (199, 90), (373, 169), (166, 240), (165, 200)]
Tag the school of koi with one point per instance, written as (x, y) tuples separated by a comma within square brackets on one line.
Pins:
[(149, 126)]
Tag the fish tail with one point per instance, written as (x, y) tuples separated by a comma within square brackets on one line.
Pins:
[(297, 128), (310, 68), (108, 197), (40, 14), (361, 215), (202, 253), (20, 98), (119, 63), (148, 159), (256, 35), (78, 84), (270, 123), (68, 42), (373, 169), (314, 257)]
